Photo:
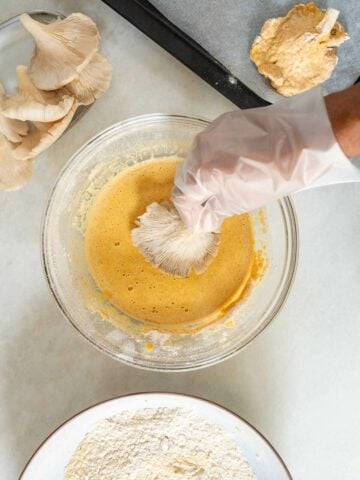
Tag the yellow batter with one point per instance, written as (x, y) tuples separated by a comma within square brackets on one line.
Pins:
[(142, 291)]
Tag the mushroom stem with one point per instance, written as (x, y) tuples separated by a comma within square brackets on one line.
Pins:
[(328, 21), (31, 25)]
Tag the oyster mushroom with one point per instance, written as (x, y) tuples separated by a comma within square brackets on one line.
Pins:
[(297, 52), (14, 173), (92, 81), (44, 135), (13, 130), (30, 103), (63, 48)]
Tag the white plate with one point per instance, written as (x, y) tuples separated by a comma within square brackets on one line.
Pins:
[(51, 458)]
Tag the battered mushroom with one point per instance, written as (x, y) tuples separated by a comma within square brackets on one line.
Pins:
[(298, 52), (63, 49), (91, 82), (30, 103)]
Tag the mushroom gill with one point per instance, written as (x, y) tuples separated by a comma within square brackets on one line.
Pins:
[(44, 135), (30, 103), (63, 49), (13, 130), (91, 82)]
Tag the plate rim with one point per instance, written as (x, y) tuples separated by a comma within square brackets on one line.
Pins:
[(156, 393), (8, 21)]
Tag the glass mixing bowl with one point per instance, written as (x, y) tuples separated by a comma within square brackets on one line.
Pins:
[(103, 157)]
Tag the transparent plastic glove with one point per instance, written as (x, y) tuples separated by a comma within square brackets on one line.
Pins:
[(247, 159)]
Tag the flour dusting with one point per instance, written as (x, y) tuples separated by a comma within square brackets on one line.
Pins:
[(158, 444)]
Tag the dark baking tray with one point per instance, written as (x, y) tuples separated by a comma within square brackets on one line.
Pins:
[(156, 26)]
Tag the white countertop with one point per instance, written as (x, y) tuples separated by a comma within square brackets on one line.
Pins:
[(298, 382)]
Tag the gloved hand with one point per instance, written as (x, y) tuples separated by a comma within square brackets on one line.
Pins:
[(246, 159)]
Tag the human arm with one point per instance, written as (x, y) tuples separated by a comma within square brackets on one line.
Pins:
[(248, 158), (344, 112)]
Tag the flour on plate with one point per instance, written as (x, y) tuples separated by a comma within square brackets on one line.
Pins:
[(158, 444)]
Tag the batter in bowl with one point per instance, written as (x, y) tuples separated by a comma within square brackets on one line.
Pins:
[(144, 292)]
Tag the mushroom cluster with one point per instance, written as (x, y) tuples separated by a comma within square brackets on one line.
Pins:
[(66, 70)]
